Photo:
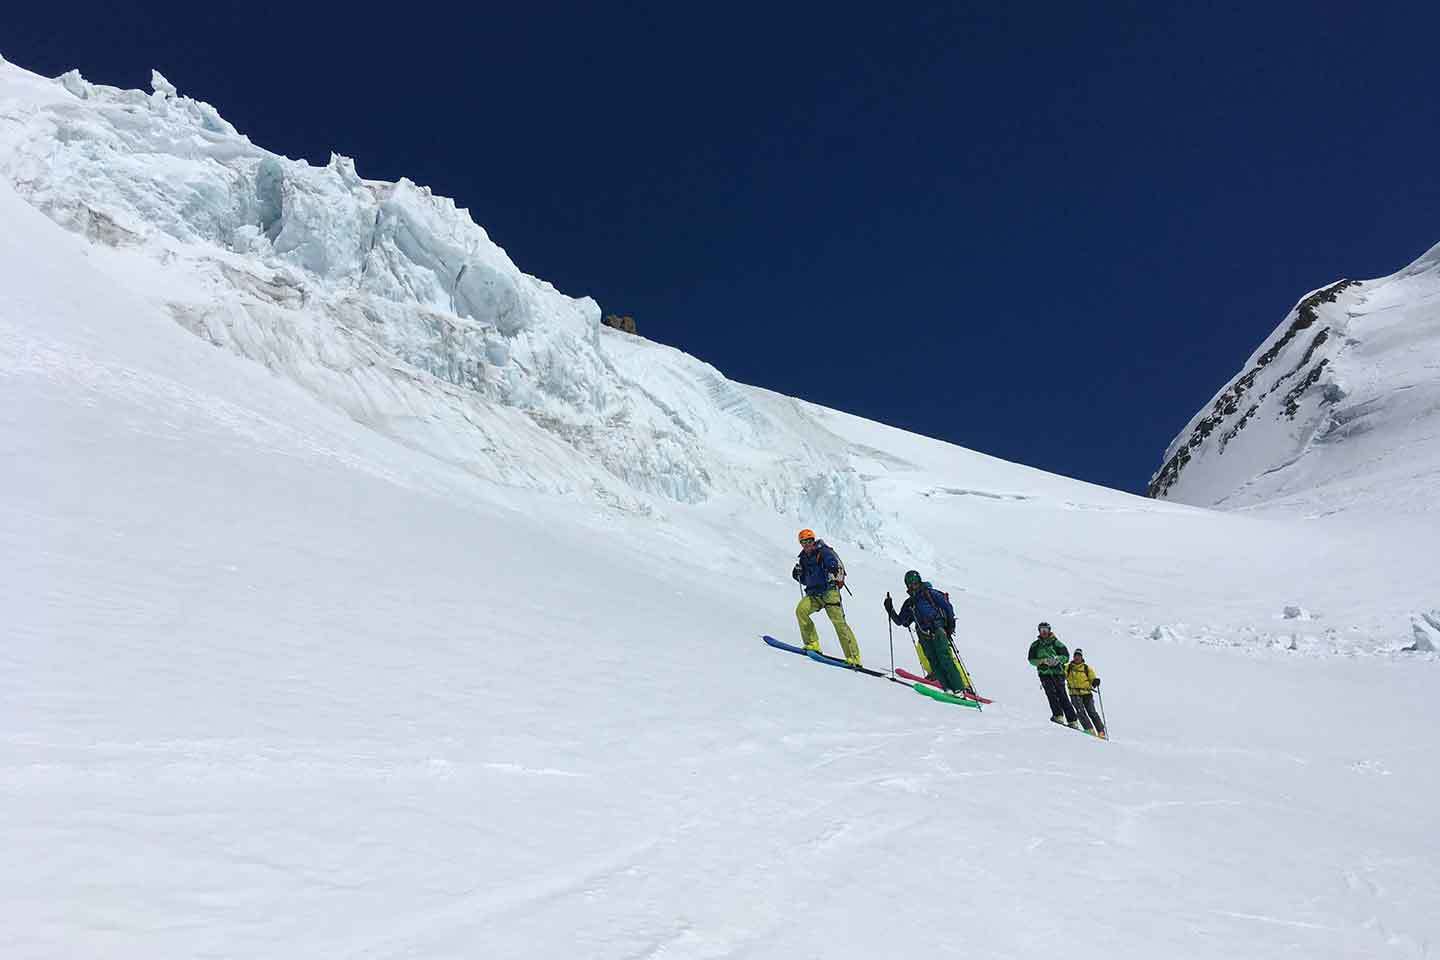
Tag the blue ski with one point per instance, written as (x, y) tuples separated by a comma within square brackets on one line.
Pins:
[(822, 658)]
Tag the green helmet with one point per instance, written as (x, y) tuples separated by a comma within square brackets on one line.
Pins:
[(912, 578)]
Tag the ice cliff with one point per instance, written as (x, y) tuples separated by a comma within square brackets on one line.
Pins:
[(392, 304)]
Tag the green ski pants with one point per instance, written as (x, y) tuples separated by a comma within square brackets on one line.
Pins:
[(942, 664), (830, 603)]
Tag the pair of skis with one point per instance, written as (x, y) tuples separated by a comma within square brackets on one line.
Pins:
[(1090, 733), (916, 678), (920, 685)]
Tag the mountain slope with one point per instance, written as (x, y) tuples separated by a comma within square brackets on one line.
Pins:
[(392, 306), (1338, 410), (289, 678)]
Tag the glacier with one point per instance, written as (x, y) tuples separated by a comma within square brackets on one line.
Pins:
[(392, 305)]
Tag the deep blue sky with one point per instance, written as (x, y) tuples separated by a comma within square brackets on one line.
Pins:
[(1045, 231)]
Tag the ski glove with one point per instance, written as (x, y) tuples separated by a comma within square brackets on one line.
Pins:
[(889, 607), (1095, 683), (795, 574)]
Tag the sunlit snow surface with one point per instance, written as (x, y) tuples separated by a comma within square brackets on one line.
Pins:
[(410, 626)]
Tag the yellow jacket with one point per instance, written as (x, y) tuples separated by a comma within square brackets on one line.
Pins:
[(1080, 678)]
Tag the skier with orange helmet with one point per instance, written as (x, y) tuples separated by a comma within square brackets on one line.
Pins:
[(819, 571)]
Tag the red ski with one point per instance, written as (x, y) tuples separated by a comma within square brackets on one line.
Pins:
[(916, 678)]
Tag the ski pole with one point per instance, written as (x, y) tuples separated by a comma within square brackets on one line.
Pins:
[(961, 660), (915, 642), (890, 624), (964, 669), (1101, 701)]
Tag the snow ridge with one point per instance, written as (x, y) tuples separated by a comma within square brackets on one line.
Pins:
[(1225, 409), (1343, 397), (393, 305)]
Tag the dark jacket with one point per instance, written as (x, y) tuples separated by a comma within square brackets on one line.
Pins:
[(927, 608), (1043, 649), (817, 569)]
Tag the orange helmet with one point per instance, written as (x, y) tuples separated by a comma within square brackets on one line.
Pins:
[(806, 534)]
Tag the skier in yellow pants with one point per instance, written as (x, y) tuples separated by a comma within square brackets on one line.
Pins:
[(821, 573)]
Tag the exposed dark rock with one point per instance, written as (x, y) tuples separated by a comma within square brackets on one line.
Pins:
[(624, 323), (1292, 397)]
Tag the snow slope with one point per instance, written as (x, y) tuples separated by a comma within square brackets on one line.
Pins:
[(1338, 410), (338, 654), (392, 305)]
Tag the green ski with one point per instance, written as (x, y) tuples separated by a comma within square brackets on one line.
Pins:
[(942, 696)]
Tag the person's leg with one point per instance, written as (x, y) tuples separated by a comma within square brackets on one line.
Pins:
[(934, 668), (1059, 700), (1082, 705), (937, 648), (1094, 713), (1048, 682), (954, 655), (1065, 704), (836, 613), (925, 667), (806, 608)]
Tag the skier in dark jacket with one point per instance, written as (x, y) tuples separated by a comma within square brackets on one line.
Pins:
[(1048, 656), (818, 569), (934, 619)]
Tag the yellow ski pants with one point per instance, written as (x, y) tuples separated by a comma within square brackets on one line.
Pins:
[(830, 603)]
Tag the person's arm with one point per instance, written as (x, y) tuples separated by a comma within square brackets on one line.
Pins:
[(795, 574), (949, 614), (1034, 656), (1094, 677), (890, 611), (830, 562), (906, 616)]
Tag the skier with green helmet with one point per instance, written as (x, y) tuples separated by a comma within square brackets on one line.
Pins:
[(934, 619)]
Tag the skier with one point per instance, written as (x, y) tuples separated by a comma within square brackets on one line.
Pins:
[(1048, 656), (934, 618), (821, 573), (1080, 680)]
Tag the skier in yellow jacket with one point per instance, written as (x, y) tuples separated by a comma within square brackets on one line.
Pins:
[(1081, 682)]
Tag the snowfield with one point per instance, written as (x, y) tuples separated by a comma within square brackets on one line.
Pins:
[(363, 597)]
